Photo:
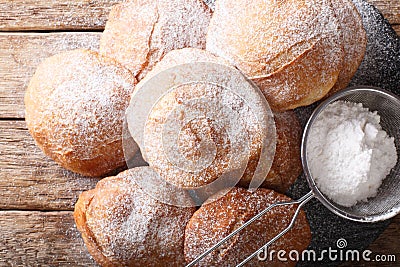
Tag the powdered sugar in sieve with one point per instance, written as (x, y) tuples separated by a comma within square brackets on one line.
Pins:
[(384, 205)]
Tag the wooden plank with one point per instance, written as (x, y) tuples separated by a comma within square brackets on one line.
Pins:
[(386, 244), (31, 181), (389, 242), (19, 15), (32, 238), (389, 8), (19, 56), (21, 53)]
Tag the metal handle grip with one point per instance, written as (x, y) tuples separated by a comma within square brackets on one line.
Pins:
[(301, 202)]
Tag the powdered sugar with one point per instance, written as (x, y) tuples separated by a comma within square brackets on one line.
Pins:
[(348, 152), (75, 104), (215, 220), (128, 226), (353, 39), (188, 101), (290, 49), (216, 127), (139, 33)]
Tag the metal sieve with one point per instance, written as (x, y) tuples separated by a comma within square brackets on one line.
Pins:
[(384, 205), (387, 202)]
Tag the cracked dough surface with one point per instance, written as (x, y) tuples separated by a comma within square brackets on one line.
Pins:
[(293, 50), (139, 33)]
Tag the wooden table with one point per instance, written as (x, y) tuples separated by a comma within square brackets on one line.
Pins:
[(36, 195)]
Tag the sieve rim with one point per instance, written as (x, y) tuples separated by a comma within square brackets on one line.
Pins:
[(311, 182)]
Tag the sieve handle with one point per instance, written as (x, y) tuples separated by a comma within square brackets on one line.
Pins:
[(301, 201)]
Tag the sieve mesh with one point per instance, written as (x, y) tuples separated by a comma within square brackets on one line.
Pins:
[(386, 203)]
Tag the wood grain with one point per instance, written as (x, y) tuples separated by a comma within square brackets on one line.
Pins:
[(386, 244), (51, 239), (33, 238), (21, 15), (389, 8), (31, 181), (21, 53)]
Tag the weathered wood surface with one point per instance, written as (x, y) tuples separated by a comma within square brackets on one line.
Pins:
[(20, 15), (386, 244), (389, 242), (51, 239), (389, 8), (31, 181), (21, 53), (34, 238)]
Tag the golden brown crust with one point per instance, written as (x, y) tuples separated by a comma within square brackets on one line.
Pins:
[(80, 220), (139, 33), (305, 80), (191, 135), (75, 105), (192, 132), (286, 166), (191, 138), (353, 38), (123, 226), (291, 50), (179, 57), (215, 220)]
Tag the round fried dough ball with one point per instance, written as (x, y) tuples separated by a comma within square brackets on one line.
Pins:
[(197, 137), (290, 49), (124, 226), (75, 105), (139, 33)]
